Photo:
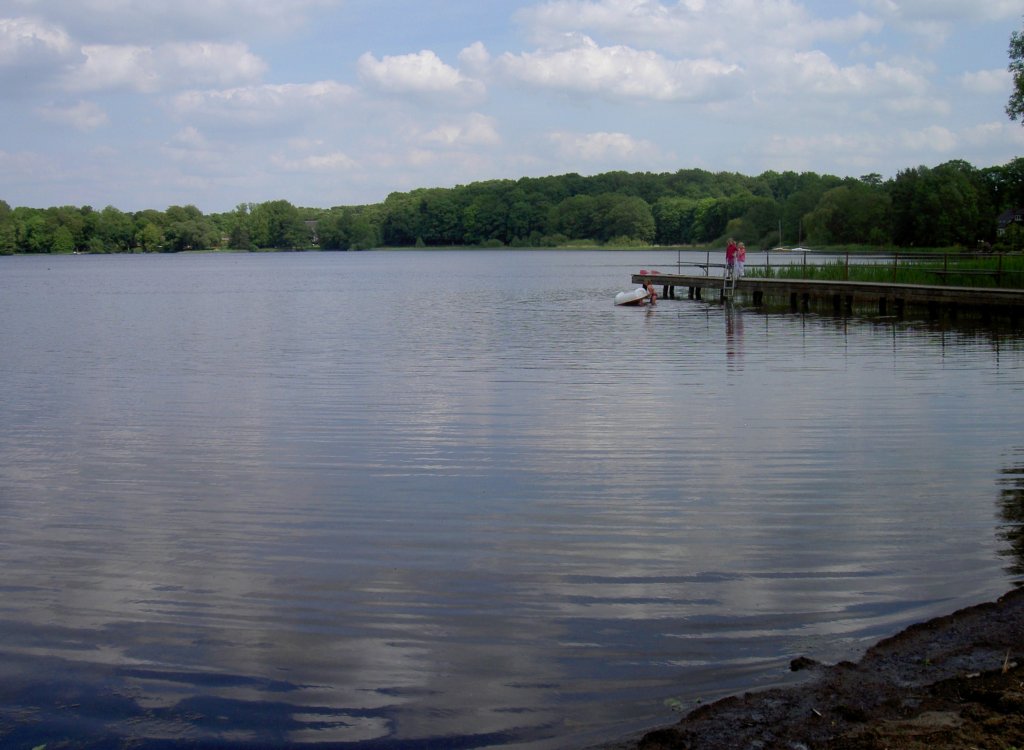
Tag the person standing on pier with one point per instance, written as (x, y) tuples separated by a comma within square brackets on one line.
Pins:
[(741, 258), (730, 257)]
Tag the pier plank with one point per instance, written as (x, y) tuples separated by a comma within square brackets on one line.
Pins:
[(885, 295)]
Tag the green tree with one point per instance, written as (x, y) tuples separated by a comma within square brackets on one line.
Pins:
[(187, 229), (486, 218), (277, 224), (149, 237), (947, 205), (400, 225), (1015, 106), (346, 229), (8, 234), (628, 217), (115, 230), (576, 217), (673, 220), (856, 212), (63, 242)]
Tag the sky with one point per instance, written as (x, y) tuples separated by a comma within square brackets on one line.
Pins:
[(150, 103)]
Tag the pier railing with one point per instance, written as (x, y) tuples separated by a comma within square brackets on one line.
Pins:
[(954, 269)]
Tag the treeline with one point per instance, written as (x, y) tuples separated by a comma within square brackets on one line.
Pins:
[(953, 204)]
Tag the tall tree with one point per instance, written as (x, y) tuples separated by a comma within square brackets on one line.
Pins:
[(1015, 107)]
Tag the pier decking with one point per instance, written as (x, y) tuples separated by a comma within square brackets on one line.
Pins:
[(843, 295)]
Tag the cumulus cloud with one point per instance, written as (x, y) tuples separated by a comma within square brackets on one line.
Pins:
[(27, 39), (624, 72), (474, 130), (997, 81), (816, 73), (947, 11), (600, 147), (934, 20), (190, 137), (727, 28), (335, 161), (170, 66), (934, 138), (262, 105), (475, 57), (985, 134), (420, 73), (816, 84), (32, 52), (81, 116)]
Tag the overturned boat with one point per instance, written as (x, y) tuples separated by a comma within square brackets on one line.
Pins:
[(636, 297)]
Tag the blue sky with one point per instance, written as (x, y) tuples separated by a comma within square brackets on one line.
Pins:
[(150, 103)]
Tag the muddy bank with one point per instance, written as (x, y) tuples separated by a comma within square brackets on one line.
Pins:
[(953, 682)]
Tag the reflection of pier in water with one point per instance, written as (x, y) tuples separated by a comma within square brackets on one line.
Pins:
[(1011, 509), (843, 295)]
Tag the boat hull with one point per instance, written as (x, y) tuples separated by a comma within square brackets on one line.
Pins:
[(636, 297)]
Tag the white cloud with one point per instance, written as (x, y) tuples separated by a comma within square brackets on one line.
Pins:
[(817, 74), (421, 73), (947, 11), (262, 105), (190, 137), (475, 57), (190, 147), (108, 67), (335, 161), (997, 81), (732, 29), (935, 138), (24, 39), (935, 20), (170, 66), (32, 52), (26, 167), (624, 72), (474, 130), (209, 64), (599, 147), (809, 152), (81, 116), (991, 138)]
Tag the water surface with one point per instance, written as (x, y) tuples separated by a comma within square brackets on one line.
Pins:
[(409, 499)]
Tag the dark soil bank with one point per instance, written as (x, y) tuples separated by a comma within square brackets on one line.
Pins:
[(952, 682)]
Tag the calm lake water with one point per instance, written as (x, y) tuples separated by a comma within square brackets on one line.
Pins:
[(459, 499)]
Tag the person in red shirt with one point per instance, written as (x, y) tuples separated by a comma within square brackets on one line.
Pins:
[(730, 257)]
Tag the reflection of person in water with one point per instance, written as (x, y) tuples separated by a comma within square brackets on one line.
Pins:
[(733, 339)]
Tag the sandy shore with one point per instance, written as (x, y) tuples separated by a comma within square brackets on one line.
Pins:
[(952, 682)]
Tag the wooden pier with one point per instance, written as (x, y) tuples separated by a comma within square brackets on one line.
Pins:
[(843, 295)]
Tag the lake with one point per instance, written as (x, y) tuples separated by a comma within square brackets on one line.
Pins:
[(459, 499)]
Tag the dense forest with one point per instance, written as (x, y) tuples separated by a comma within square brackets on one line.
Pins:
[(950, 205)]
